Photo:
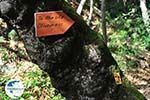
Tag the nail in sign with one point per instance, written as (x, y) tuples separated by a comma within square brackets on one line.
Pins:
[(51, 23)]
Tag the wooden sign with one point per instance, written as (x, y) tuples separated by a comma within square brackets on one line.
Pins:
[(51, 23), (117, 78)]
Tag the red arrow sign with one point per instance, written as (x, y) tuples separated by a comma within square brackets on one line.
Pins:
[(51, 23)]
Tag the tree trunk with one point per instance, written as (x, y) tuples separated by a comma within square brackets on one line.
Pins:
[(79, 63), (80, 7), (145, 15), (104, 29)]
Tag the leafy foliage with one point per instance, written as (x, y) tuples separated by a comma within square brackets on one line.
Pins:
[(129, 38)]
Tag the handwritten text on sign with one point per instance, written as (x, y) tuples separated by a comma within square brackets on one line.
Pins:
[(52, 23)]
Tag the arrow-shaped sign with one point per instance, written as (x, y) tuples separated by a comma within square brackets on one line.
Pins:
[(51, 23)]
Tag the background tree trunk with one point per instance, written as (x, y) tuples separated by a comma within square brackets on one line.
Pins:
[(79, 63), (145, 15), (104, 29), (79, 9)]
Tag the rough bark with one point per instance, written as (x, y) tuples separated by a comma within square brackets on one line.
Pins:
[(78, 62)]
